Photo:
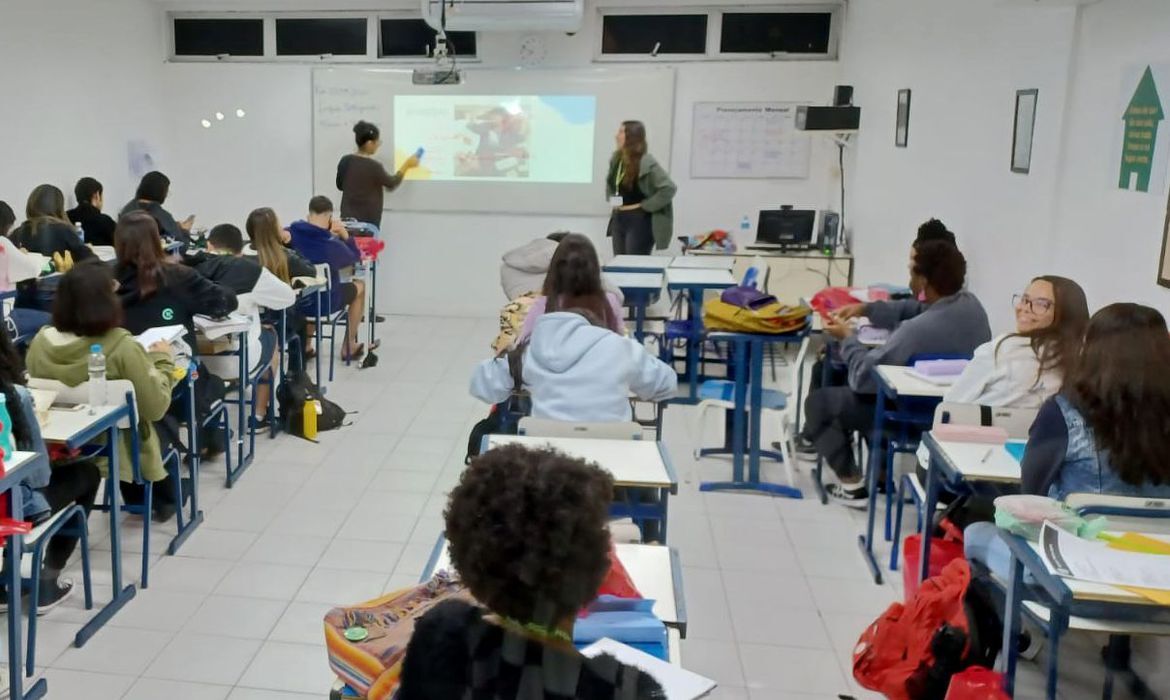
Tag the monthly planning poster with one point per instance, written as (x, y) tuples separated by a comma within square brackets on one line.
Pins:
[(748, 140)]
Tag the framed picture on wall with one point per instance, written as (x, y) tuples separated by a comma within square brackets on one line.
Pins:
[(1024, 126), (1164, 259), (902, 130)]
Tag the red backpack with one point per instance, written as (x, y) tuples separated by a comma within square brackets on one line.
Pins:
[(911, 651)]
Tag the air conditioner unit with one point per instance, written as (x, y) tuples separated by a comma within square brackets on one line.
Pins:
[(506, 15)]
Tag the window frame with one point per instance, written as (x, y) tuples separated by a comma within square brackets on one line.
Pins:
[(401, 15), (715, 15)]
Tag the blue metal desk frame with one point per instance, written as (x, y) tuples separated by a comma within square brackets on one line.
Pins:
[(878, 458), (694, 295), (107, 425), (13, 550), (748, 357)]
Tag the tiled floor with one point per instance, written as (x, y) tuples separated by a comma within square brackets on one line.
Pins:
[(775, 589)]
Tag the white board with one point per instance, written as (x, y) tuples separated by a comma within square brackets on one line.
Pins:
[(748, 140), (342, 96)]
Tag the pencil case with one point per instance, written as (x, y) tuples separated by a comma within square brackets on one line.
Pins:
[(983, 434)]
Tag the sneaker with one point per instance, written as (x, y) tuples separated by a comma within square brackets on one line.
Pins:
[(852, 498), (53, 593)]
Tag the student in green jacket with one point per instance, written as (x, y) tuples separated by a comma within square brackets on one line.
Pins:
[(643, 219), (87, 313)]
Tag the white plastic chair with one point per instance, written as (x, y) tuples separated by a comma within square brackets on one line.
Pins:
[(773, 400)]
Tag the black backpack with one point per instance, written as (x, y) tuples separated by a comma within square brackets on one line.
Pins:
[(504, 418), (293, 395)]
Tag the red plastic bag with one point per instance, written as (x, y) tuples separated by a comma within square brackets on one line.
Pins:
[(369, 247), (977, 683), (943, 550), (830, 299), (617, 582)]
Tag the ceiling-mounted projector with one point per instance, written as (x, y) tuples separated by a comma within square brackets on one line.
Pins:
[(437, 75)]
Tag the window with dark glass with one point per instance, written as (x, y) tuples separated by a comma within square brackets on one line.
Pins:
[(312, 37), (776, 32), (212, 37), (414, 37), (640, 34)]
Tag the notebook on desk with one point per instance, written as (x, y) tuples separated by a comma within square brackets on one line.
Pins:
[(679, 683)]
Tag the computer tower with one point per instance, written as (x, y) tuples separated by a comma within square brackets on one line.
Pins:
[(829, 230)]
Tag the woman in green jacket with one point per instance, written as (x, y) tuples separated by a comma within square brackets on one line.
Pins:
[(643, 219), (87, 313)]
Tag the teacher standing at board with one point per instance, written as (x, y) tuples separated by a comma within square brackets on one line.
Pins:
[(362, 179), (640, 191)]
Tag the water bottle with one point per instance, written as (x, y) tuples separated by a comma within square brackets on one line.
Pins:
[(80, 232), (6, 426), (745, 229), (97, 377)]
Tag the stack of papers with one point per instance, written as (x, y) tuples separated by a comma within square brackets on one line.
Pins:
[(213, 328), (1069, 556), (678, 683), (163, 334)]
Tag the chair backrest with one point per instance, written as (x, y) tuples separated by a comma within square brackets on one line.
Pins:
[(116, 392), (1134, 513), (543, 427), (1016, 421), (798, 365), (323, 272)]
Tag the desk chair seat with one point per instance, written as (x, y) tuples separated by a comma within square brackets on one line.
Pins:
[(722, 391)]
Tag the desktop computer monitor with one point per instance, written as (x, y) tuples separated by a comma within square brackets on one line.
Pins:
[(787, 228)]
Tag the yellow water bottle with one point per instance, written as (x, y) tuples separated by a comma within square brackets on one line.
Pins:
[(310, 417)]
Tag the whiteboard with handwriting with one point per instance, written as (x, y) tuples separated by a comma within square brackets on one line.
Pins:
[(748, 140), (342, 96)]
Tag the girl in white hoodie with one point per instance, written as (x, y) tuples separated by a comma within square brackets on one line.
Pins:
[(577, 370)]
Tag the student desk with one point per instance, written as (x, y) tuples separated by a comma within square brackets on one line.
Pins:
[(704, 262), (654, 569), (1063, 603), (15, 468), (898, 388), (638, 263), (632, 463), (744, 433), (641, 289), (74, 429), (953, 465), (694, 283)]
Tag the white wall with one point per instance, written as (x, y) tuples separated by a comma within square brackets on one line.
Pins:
[(963, 61), (447, 264), (80, 79)]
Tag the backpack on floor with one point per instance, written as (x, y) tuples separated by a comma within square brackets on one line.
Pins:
[(503, 418), (912, 650), (294, 395)]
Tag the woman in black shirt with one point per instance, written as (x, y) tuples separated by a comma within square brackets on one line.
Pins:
[(362, 179), (641, 192), (48, 232), (151, 194)]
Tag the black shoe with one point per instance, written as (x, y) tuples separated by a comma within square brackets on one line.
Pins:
[(164, 511), (52, 593), (852, 498)]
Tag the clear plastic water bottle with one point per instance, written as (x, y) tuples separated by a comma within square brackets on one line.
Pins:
[(80, 232), (745, 228), (97, 377)]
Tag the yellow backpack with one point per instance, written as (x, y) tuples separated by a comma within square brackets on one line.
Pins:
[(763, 315)]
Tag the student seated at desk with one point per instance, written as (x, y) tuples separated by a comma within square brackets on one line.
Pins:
[(151, 194), (1106, 431), (268, 241), (888, 314), (154, 290), (18, 266), (48, 232), (256, 288), (47, 489), (98, 227), (576, 370), (87, 313), (1023, 369), (954, 322), (528, 536), (574, 281), (323, 239)]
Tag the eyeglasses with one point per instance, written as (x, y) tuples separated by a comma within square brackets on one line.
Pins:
[(1039, 306)]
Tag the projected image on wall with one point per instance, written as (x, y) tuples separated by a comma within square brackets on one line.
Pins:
[(529, 138)]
